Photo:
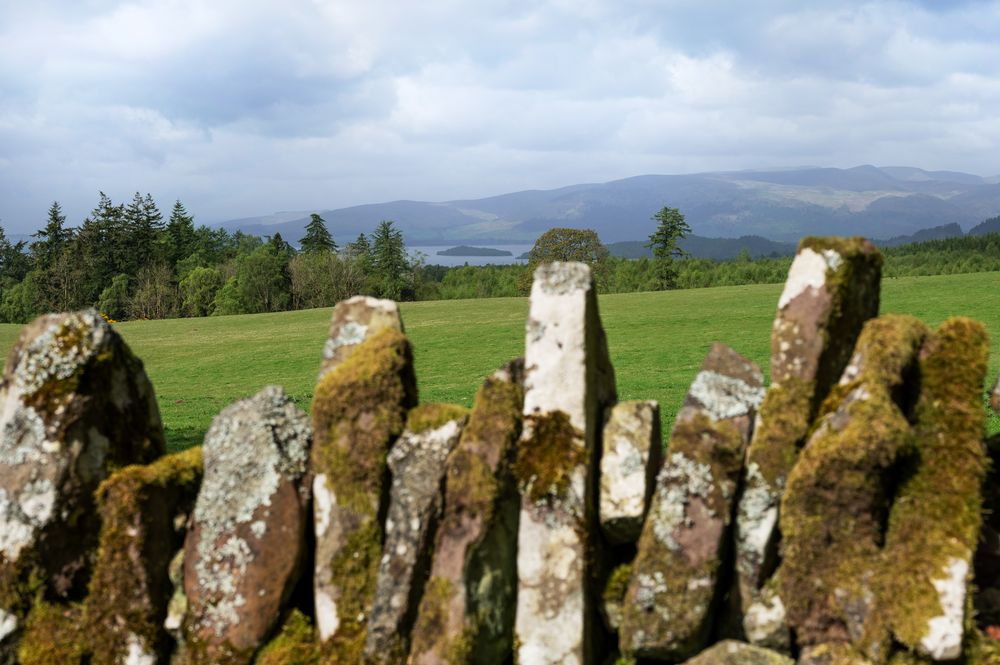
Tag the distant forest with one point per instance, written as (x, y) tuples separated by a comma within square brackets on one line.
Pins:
[(129, 262)]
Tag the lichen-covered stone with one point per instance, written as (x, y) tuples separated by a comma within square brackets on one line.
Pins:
[(731, 652), (417, 465), (837, 500), (358, 411), (54, 633), (243, 554), (467, 612), (933, 528), (144, 511), (569, 382), (631, 455), (75, 404), (668, 608), (832, 653), (832, 289), (353, 321)]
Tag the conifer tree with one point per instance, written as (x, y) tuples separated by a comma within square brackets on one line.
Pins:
[(317, 238), (181, 236), (51, 239)]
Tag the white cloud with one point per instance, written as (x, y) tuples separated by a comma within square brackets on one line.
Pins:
[(242, 107)]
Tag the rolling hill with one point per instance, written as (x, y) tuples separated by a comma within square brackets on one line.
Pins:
[(780, 206)]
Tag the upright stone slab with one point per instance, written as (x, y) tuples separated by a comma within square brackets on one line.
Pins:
[(934, 524), (568, 383), (144, 511), (353, 321), (74, 405), (669, 605), (835, 506), (995, 396), (417, 465), (631, 456), (243, 554), (832, 289), (358, 411), (731, 652), (467, 612)]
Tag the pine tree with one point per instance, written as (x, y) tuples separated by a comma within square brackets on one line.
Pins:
[(51, 239), (317, 238), (143, 228), (389, 261), (670, 229), (181, 236)]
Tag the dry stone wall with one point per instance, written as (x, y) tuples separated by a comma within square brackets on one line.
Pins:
[(845, 514)]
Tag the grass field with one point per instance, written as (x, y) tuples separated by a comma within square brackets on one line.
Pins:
[(657, 341)]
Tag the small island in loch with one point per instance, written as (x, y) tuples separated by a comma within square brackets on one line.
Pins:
[(466, 250)]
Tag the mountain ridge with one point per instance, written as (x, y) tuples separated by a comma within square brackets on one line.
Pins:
[(777, 205)]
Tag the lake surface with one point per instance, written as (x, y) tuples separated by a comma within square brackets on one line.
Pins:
[(431, 255)]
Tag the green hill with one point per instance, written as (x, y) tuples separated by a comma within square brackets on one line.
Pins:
[(657, 342)]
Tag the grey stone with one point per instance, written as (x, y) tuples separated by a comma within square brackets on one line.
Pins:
[(353, 321), (468, 604), (417, 465), (244, 551), (731, 652), (668, 609), (995, 396), (631, 455), (75, 403), (569, 382), (832, 289)]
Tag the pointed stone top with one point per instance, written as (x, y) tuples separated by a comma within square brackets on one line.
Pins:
[(728, 384), (561, 278), (353, 321), (54, 347)]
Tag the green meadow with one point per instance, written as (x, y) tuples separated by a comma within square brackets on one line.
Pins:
[(657, 343)]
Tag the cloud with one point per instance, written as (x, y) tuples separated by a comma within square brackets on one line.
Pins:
[(242, 107)]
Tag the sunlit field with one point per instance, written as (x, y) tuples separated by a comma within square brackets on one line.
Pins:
[(657, 342)]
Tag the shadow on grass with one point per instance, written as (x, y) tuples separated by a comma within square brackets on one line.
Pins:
[(182, 438)]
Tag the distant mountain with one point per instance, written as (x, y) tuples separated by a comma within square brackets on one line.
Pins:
[(780, 205), (934, 233)]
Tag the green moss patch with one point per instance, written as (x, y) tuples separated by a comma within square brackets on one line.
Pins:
[(433, 415), (295, 644), (130, 587), (547, 458), (838, 494), (937, 515), (54, 634)]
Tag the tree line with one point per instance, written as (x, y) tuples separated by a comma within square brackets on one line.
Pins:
[(131, 263)]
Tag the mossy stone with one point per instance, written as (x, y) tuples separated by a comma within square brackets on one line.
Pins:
[(933, 529), (358, 411), (141, 508), (837, 500)]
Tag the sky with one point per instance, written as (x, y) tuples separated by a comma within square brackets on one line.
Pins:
[(248, 107)]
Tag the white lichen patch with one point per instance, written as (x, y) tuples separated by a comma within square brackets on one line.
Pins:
[(349, 334), (8, 624), (560, 278), (136, 654), (60, 350), (764, 619), (323, 502), (722, 396), (757, 517), (327, 619), (808, 271), (943, 640), (680, 479), (251, 446), (23, 514)]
